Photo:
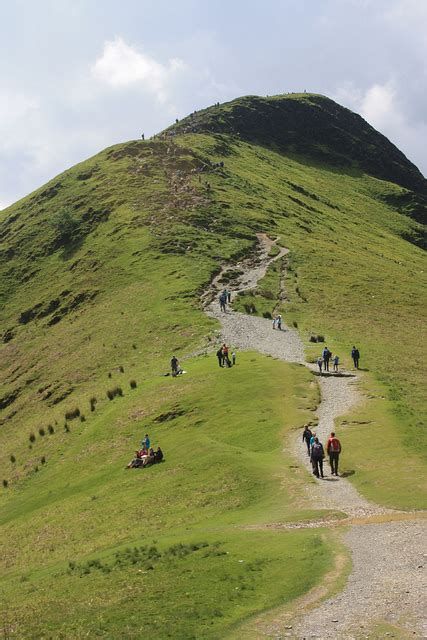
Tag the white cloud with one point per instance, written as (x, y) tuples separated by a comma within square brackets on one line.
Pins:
[(380, 105), (121, 65)]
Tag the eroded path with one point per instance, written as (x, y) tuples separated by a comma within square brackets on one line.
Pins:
[(388, 577)]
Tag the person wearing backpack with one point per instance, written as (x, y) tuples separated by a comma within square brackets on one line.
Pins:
[(326, 355), (355, 354), (317, 454), (306, 437), (333, 448)]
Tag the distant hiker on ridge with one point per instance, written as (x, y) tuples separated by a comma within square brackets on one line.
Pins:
[(355, 354), (333, 448)]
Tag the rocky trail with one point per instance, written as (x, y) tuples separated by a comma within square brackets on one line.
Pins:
[(387, 582)]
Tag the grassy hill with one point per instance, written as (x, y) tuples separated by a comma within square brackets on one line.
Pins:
[(101, 272)]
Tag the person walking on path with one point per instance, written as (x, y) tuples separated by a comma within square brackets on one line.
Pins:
[(220, 356), (225, 354), (333, 448), (274, 322), (174, 365), (355, 354), (279, 322), (326, 357), (229, 297), (320, 364), (233, 357), (336, 362), (222, 302), (317, 454), (306, 437)]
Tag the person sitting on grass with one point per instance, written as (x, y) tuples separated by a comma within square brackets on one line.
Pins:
[(158, 456), (149, 459), (137, 461)]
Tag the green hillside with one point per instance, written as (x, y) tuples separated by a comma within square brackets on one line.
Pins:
[(101, 272)]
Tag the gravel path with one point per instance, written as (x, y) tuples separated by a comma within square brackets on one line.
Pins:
[(387, 581)]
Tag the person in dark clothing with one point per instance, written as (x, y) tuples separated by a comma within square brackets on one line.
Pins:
[(326, 355), (158, 456), (317, 454), (174, 365), (355, 354), (333, 447), (220, 356), (229, 297), (306, 437), (222, 301)]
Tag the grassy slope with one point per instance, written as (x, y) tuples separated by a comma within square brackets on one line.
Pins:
[(163, 236)]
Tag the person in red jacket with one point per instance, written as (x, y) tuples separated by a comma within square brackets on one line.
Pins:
[(333, 447)]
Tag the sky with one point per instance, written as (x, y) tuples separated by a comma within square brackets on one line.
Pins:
[(77, 76)]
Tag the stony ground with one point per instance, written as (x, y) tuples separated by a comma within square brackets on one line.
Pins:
[(387, 583)]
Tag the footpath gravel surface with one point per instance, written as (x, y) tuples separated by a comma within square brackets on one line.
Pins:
[(388, 578)]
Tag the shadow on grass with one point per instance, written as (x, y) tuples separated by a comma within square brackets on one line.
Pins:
[(331, 374), (346, 474)]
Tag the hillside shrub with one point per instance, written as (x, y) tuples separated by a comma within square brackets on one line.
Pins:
[(113, 393), (132, 384), (42, 432), (51, 429), (121, 369), (295, 324), (72, 414), (92, 403), (320, 338), (65, 224), (66, 428), (313, 338), (82, 418), (5, 483), (43, 459), (32, 437), (12, 459), (267, 315)]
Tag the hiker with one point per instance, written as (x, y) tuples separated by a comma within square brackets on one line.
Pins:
[(145, 443), (158, 456), (233, 357), (355, 354), (143, 136), (316, 456), (333, 448), (137, 461), (225, 353), (222, 302), (274, 322), (326, 355), (174, 365), (336, 362), (306, 437), (229, 297), (149, 458), (313, 435), (279, 322), (320, 364), (220, 356)]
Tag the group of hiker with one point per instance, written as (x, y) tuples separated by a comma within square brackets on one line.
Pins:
[(327, 357), (316, 451), (224, 299), (145, 456), (223, 355)]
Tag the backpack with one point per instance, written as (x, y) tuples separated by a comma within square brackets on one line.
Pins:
[(317, 450), (334, 445)]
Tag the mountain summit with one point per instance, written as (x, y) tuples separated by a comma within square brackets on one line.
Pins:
[(313, 126)]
